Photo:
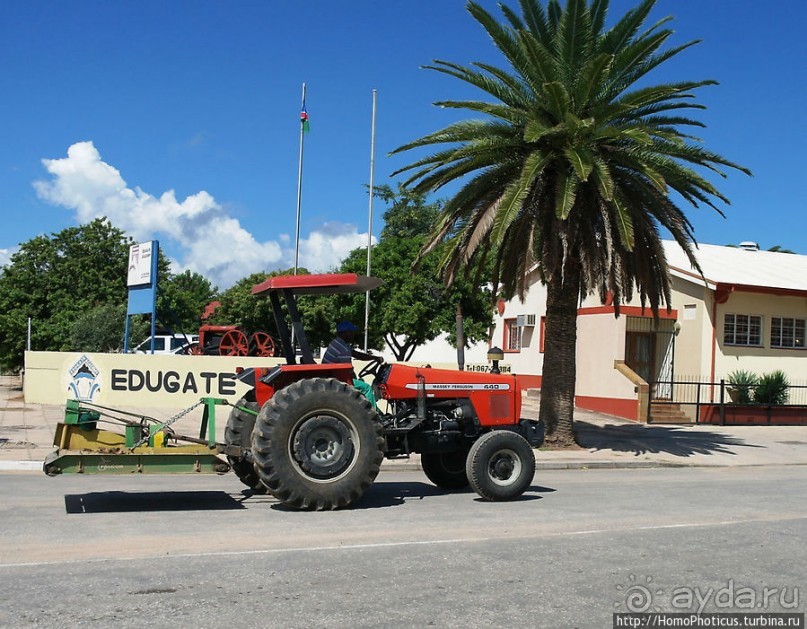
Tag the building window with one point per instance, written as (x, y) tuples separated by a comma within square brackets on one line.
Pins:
[(741, 329), (512, 335), (787, 332)]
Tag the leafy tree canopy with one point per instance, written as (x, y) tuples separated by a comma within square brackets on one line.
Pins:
[(182, 299), (100, 329), (254, 313), (72, 284), (54, 280), (572, 164), (411, 307)]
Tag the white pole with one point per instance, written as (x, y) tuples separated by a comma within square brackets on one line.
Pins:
[(370, 223), (28, 341), (299, 201), (299, 188)]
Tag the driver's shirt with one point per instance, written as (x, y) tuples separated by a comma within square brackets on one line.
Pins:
[(339, 351)]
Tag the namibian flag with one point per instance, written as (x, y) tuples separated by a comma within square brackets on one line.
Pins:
[(304, 119)]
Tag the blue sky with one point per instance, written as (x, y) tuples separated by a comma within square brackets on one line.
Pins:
[(180, 120)]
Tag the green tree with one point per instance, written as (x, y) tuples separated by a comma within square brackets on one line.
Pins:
[(410, 309), (254, 313), (240, 307), (571, 170), (55, 280), (182, 299), (101, 329)]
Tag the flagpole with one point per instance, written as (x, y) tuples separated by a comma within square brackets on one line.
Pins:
[(299, 188), (370, 223)]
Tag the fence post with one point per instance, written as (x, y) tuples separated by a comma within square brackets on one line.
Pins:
[(698, 403), (722, 402)]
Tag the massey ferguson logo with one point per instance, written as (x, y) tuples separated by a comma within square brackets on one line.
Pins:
[(461, 386)]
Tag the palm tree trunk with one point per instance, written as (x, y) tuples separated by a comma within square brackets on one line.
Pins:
[(559, 370)]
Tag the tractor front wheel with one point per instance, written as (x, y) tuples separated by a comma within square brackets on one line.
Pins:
[(500, 465), (317, 444), (239, 433), (446, 469)]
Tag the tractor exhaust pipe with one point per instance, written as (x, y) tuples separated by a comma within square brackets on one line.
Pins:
[(421, 401)]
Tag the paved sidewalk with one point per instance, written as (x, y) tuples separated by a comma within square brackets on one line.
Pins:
[(26, 437)]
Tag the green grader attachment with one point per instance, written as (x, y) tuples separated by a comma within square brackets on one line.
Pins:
[(147, 446)]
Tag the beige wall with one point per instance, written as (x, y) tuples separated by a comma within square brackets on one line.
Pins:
[(693, 344), (141, 380), (530, 360), (766, 358), (693, 349), (161, 381), (601, 341)]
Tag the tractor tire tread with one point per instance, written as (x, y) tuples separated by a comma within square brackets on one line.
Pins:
[(238, 432), (478, 462), (273, 430)]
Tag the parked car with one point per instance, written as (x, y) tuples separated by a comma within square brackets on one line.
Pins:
[(167, 344)]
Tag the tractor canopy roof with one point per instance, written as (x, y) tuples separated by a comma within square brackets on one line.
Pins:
[(319, 284)]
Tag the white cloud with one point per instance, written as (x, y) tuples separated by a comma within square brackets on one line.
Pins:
[(325, 248), (5, 256), (212, 242)]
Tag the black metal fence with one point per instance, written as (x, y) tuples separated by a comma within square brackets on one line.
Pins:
[(709, 402)]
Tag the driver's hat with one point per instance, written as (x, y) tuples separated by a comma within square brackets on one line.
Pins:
[(346, 326)]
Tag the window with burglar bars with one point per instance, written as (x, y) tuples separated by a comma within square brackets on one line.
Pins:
[(740, 329), (512, 335), (787, 332)]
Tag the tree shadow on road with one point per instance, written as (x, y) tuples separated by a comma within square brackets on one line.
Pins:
[(640, 439)]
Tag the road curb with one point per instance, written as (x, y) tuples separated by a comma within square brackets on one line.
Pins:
[(414, 465), (21, 466)]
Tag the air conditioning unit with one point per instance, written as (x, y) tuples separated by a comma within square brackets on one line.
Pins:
[(525, 321)]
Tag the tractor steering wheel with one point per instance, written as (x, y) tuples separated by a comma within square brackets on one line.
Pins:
[(370, 369)]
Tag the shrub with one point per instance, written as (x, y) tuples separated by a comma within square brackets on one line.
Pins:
[(743, 383), (772, 388)]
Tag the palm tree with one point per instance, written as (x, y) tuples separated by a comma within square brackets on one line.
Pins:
[(571, 171)]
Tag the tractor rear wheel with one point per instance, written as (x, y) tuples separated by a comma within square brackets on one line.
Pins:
[(500, 465), (317, 444), (239, 433), (446, 469)]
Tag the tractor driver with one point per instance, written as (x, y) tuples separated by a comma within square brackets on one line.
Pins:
[(340, 350)]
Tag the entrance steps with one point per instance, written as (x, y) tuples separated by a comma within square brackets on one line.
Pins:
[(667, 413)]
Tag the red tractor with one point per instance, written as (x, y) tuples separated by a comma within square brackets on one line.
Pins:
[(314, 442)]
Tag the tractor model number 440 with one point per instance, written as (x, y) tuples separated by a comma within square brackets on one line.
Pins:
[(307, 436)]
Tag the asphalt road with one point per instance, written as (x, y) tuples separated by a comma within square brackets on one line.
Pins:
[(579, 546)]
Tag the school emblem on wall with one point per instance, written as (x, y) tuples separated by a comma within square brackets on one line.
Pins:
[(84, 380)]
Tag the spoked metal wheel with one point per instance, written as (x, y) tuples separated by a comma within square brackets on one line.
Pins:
[(234, 343), (500, 465), (261, 344)]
